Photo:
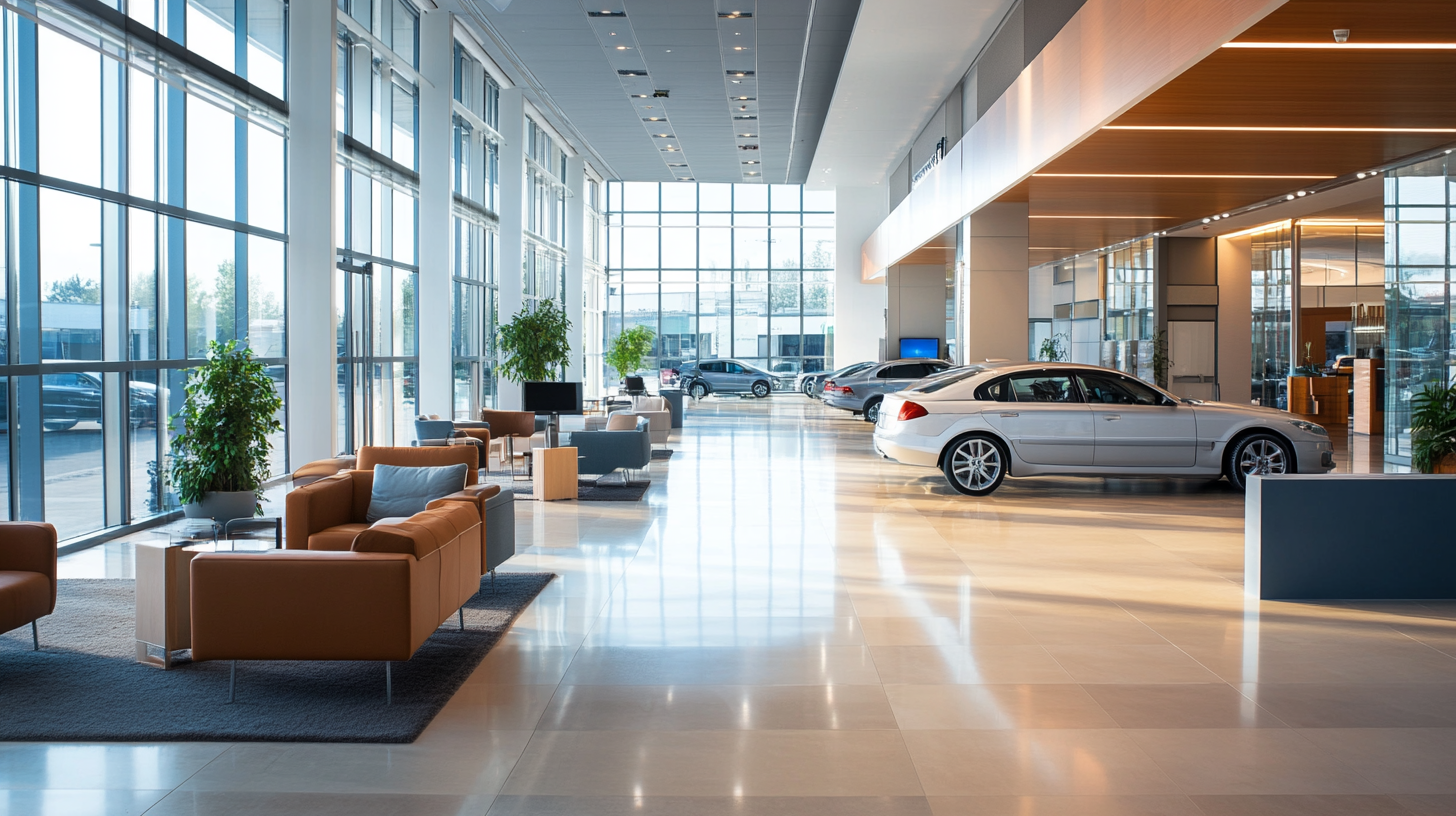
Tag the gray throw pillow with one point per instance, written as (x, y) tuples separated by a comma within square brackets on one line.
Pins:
[(404, 491)]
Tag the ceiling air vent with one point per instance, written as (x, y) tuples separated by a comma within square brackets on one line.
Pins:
[(635, 72), (740, 73), (748, 147), (734, 15), (745, 117), (660, 94), (606, 14)]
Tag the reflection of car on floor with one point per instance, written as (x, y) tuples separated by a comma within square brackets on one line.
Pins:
[(982, 423), (73, 397), (724, 376)]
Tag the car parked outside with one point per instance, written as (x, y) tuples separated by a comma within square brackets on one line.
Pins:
[(983, 423), (862, 391), (811, 383), (724, 376), (784, 373)]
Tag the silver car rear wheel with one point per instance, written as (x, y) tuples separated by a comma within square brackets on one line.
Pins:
[(807, 388), (975, 465), (1261, 455)]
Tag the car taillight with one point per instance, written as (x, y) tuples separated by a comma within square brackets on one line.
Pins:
[(912, 410), (837, 389)]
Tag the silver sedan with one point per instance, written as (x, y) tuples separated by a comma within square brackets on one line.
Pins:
[(983, 423)]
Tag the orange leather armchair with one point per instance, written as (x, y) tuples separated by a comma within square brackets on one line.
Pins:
[(27, 575), (328, 514), (379, 600), (321, 469), (510, 426)]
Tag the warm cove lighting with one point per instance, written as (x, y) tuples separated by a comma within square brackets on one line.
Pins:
[(1261, 129), (1110, 217), (1335, 46), (1174, 176)]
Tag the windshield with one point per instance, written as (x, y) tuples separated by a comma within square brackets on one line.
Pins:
[(948, 377), (854, 369)]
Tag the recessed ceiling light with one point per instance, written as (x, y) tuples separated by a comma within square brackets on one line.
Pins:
[(1289, 197), (735, 81), (652, 119), (1225, 215), (1206, 220), (621, 48), (743, 98), (1301, 194), (737, 48), (639, 96), (748, 135), (663, 135)]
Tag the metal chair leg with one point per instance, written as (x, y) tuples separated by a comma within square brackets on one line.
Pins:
[(461, 612), (388, 685), (233, 681), (34, 638)]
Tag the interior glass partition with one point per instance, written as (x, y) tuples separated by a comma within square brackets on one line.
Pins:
[(1271, 265), (723, 270), (1419, 343), (1130, 333)]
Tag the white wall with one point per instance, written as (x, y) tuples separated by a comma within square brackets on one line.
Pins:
[(916, 294), (997, 283), (859, 308)]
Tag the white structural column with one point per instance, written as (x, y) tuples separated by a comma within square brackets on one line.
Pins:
[(436, 357), (995, 300), (512, 219), (575, 261), (312, 400), (859, 307)]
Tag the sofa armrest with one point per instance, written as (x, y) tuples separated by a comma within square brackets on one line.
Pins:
[(288, 605), (29, 546), (316, 507)]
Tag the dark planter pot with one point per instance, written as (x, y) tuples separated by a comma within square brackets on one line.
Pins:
[(223, 507)]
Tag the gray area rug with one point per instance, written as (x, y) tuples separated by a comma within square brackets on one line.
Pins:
[(85, 683), (662, 453)]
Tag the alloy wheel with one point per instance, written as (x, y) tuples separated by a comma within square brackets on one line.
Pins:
[(976, 464), (1262, 457)]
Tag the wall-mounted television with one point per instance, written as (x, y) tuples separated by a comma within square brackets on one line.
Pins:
[(551, 397), (920, 347)]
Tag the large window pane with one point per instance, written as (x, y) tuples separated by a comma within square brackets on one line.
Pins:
[(265, 179), (68, 102), (74, 488), (211, 181), (142, 276), (265, 297), (211, 287), (265, 45), (70, 276), (210, 31), (147, 492)]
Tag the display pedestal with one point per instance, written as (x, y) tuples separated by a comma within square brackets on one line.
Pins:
[(554, 474)]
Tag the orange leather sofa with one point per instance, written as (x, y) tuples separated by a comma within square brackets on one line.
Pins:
[(379, 600), (27, 575), (327, 514)]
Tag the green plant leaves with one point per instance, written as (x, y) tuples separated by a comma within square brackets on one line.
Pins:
[(1433, 426), (534, 345), (629, 349), (230, 409)]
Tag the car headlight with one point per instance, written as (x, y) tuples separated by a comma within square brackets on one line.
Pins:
[(1317, 430)]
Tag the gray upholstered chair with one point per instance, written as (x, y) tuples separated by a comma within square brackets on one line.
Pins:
[(611, 449), (441, 432)]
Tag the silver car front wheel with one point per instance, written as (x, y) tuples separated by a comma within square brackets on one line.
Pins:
[(1258, 455), (975, 465)]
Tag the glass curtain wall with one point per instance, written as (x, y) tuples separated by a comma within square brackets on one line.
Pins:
[(593, 288), (474, 231), (1130, 331), (543, 273), (375, 282), (1271, 255), (141, 220), (1418, 308), (723, 270)]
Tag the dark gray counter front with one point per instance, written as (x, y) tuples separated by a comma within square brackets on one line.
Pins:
[(1350, 536)]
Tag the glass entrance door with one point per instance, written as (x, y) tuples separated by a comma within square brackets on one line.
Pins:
[(358, 370)]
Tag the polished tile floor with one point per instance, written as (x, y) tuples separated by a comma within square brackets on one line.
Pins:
[(789, 625)]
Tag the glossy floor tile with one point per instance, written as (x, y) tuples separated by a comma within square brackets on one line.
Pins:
[(788, 625)]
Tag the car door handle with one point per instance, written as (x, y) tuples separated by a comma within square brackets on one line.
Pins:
[(1111, 417), (1009, 414)]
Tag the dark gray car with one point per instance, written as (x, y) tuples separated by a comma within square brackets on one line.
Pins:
[(862, 390), (724, 376)]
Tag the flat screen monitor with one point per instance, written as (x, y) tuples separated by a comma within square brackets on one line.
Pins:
[(551, 397), (928, 347)]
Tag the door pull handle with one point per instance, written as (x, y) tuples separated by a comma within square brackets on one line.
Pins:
[(1112, 417), (1010, 414)]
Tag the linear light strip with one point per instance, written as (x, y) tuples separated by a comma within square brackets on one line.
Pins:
[(1334, 46), (1176, 176), (1110, 217), (1278, 129)]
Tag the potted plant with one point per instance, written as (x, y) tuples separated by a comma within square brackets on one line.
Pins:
[(1433, 429), (534, 344), (1053, 349), (629, 349), (220, 455)]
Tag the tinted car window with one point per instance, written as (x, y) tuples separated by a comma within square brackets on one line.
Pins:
[(1107, 389), (950, 379), (996, 391), (903, 371), (712, 367), (734, 368), (1043, 387)]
